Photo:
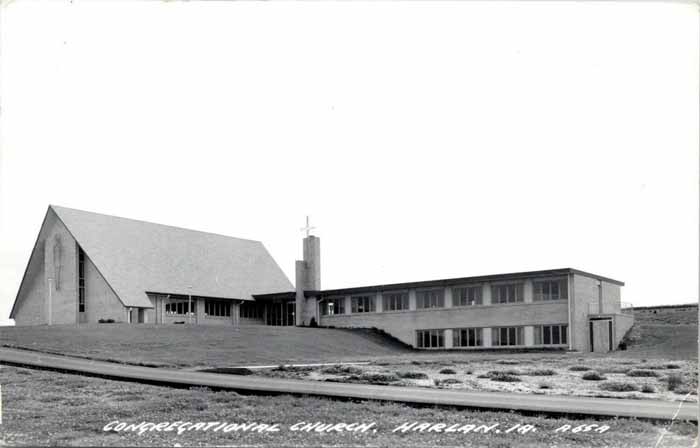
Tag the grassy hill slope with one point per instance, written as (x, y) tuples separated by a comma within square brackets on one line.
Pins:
[(192, 346), (669, 332)]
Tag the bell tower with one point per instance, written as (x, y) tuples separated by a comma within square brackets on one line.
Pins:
[(308, 273)]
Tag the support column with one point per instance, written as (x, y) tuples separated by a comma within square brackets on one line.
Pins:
[(448, 338), (486, 336)]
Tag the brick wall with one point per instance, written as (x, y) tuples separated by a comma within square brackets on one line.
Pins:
[(403, 324), (33, 305), (100, 300)]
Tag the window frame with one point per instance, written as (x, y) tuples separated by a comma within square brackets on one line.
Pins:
[(473, 336), (439, 299), (395, 301), (542, 294), (368, 302), (518, 293), (337, 302), (430, 336), (515, 334), (477, 291), (214, 308), (544, 334)]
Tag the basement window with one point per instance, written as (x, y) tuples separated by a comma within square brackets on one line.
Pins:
[(467, 337), (551, 334), (430, 338), (507, 336)]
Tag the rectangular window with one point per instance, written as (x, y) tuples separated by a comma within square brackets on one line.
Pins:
[(549, 290), (81, 280), (430, 338), (363, 304), (333, 306), (466, 296), (433, 298), (217, 308), (507, 336), (251, 311), (551, 334), (509, 293), (467, 337), (395, 301), (178, 307)]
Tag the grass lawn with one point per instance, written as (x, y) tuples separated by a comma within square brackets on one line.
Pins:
[(48, 408), (200, 346)]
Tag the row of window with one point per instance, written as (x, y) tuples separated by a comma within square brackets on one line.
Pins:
[(212, 308), (461, 296), (500, 336)]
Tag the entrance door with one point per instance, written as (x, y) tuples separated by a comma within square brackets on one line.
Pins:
[(601, 338), (142, 315)]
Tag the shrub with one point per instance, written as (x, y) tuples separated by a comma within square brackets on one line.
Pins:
[(105, 321), (541, 372), (342, 370), (642, 373), (468, 372), (504, 376), (446, 381), (673, 366), (412, 375), (593, 376), (619, 386), (648, 389), (681, 390), (579, 368), (614, 370), (448, 371), (673, 381), (378, 378), (544, 386), (508, 362)]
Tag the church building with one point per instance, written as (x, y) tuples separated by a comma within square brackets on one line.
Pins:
[(89, 268)]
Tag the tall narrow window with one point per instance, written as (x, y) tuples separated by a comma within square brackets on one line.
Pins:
[(81, 280)]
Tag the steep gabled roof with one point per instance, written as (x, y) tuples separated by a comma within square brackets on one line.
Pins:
[(136, 256)]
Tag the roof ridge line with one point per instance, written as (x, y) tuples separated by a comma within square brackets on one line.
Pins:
[(153, 223)]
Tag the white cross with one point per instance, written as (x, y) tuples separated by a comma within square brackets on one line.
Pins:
[(308, 227)]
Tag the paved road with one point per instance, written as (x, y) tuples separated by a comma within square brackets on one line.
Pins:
[(655, 409)]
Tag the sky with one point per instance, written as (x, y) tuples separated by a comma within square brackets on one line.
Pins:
[(424, 139)]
